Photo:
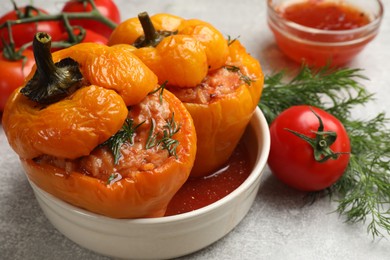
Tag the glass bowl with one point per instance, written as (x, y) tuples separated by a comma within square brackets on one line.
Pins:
[(164, 237), (318, 47)]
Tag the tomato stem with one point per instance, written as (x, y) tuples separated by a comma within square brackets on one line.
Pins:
[(93, 15), (151, 37), (321, 143), (27, 17), (51, 81)]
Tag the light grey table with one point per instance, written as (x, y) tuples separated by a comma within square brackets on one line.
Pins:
[(278, 225)]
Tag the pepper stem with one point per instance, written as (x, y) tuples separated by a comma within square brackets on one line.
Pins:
[(151, 37), (51, 81), (148, 27), (42, 54), (321, 143)]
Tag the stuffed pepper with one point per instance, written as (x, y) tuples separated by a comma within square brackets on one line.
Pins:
[(218, 81), (92, 127)]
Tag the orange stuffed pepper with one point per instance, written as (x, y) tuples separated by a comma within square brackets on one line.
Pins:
[(218, 81), (93, 128)]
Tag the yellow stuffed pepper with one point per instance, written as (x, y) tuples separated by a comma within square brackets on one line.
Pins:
[(218, 81), (93, 128)]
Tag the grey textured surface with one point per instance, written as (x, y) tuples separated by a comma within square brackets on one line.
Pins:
[(279, 225)]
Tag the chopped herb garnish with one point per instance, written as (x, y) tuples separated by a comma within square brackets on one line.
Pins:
[(231, 41), (166, 141), (161, 89), (171, 128), (243, 77), (152, 138), (124, 135)]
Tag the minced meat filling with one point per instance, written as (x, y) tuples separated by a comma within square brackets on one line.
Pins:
[(134, 157), (215, 85)]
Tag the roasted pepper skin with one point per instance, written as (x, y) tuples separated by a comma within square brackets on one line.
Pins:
[(141, 195), (67, 129), (70, 128), (220, 123), (183, 59), (73, 127)]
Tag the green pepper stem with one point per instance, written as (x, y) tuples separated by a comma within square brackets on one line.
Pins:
[(51, 81), (151, 37), (148, 27), (42, 54)]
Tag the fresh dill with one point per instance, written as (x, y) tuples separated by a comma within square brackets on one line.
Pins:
[(161, 89), (243, 77), (165, 141), (171, 128), (152, 138), (231, 40), (125, 134), (363, 192)]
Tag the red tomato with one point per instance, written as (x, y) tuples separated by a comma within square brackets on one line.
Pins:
[(13, 74), (106, 7), (291, 158), (24, 33)]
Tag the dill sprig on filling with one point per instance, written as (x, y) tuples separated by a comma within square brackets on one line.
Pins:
[(161, 89), (165, 141), (363, 192), (126, 134), (231, 40), (128, 130), (247, 80)]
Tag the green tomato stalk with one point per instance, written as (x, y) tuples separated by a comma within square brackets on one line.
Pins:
[(26, 17), (321, 143)]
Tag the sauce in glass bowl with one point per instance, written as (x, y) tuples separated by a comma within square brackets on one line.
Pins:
[(324, 32), (325, 15)]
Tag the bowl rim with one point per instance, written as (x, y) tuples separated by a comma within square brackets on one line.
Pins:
[(260, 163), (368, 27)]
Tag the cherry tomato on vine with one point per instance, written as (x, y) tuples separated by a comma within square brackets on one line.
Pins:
[(13, 73), (24, 33), (106, 7), (310, 148)]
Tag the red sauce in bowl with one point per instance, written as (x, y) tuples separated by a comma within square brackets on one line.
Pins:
[(325, 15), (324, 33), (200, 192)]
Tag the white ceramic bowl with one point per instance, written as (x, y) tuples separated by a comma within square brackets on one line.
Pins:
[(165, 237)]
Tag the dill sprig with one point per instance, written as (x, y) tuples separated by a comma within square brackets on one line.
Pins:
[(161, 89), (363, 192), (231, 40), (124, 135), (166, 141), (243, 77)]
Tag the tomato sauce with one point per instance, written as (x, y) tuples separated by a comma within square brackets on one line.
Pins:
[(321, 49), (200, 192), (326, 15)]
